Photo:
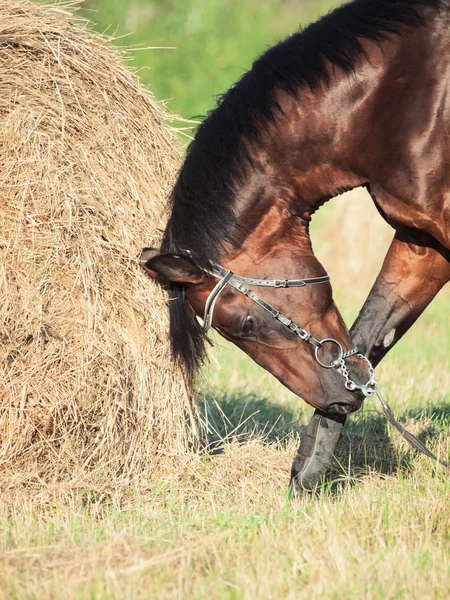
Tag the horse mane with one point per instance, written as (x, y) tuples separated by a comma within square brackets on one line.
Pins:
[(202, 205)]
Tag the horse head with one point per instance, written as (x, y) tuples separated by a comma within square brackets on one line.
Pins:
[(277, 308)]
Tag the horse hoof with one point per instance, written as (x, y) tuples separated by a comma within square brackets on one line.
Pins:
[(315, 454)]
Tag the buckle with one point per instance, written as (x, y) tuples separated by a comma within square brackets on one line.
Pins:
[(280, 283)]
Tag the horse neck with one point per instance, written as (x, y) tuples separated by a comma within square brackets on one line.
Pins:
[(327, 140), (323, 140), (296, 170)]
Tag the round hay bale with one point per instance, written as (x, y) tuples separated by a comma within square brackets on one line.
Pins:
[(87, 390)]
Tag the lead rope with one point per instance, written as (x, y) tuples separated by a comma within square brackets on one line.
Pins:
[(372, 387)]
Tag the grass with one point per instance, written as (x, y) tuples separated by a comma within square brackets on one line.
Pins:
[(221, 525)]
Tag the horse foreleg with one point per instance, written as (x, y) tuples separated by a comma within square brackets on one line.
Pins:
[(416, 267), (414, 271)]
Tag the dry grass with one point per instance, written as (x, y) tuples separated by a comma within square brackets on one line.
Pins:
[(351, 239), (99, 495), (87, 391), (222, 527)]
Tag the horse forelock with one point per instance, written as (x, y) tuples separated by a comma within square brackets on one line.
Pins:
[(187, 338)]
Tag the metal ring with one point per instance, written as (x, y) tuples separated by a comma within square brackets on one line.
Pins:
[(336, 361)]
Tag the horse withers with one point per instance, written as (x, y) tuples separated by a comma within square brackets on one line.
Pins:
[(357, 99)]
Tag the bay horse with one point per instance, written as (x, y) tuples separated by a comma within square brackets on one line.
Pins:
[(359, 98)]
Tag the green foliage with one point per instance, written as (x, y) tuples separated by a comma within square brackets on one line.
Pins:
[(211, 43)]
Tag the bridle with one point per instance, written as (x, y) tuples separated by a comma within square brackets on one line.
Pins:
[(229, 278), (370, 388)]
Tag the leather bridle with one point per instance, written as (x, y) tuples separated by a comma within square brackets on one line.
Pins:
[(229, 278), (370, 388)]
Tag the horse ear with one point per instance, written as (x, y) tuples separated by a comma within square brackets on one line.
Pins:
[(146, 255), (175, 268)]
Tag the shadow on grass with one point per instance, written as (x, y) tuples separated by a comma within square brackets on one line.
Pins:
[(245, 416), (439, 414), (365, 446)]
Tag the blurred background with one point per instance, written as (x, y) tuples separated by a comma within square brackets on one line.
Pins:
[(203, 45)]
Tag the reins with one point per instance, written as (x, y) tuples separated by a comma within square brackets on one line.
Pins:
[(370, 388)]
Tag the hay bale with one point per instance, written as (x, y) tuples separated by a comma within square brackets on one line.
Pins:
[(87, 391)]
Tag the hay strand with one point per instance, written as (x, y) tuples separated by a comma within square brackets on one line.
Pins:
[(87, 391)]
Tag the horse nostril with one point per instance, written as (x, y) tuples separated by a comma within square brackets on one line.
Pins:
[(339, 409)]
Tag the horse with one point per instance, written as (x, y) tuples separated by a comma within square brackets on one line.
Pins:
[(356, 99)]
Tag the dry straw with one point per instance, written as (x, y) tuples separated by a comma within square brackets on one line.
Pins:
[(87, 391)]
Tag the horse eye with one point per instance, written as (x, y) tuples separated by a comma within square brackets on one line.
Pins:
[(248, 325)]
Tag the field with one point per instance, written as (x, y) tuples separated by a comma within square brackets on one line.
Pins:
[(220, 524)]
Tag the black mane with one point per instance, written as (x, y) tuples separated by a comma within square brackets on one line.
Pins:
[(202, 215)]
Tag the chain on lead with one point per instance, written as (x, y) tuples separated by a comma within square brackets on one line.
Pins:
[(372, 387), (369, 367)]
